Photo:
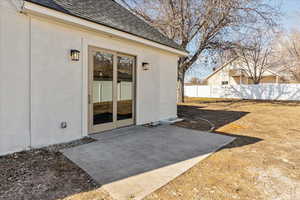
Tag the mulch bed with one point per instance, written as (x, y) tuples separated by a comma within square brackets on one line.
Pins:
[(42, 174)]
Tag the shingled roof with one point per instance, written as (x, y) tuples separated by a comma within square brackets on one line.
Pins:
[(108, 13)]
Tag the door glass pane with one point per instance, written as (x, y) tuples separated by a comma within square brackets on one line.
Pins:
[(124, 88), (103, 88)]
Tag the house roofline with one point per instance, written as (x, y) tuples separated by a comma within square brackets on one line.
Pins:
[(272, 72), (226, 64), (220, 68), (42, 11)]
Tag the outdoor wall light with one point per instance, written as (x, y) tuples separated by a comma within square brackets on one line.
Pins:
[(75, 55), (146, 66)]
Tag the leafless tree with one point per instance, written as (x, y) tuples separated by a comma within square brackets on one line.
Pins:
[(293, 48), (200, 25), (195, 81), (288, 55), (255, 56)]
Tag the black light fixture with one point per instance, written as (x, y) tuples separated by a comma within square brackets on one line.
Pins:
[(146, 66), (75, 55)]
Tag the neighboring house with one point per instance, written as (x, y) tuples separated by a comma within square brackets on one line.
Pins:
[(71, 68), (289, 74), (231, 74)]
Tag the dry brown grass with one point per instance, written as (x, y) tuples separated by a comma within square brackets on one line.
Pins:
[(207, 100), (262, 163)]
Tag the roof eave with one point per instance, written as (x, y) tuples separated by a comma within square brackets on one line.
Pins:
[(273, 72), (220, 68), (38, 10)]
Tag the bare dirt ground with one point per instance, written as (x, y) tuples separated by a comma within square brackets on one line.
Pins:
[(45, 174), (262, 163)]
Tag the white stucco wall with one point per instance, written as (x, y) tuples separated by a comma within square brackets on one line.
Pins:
[(168, 96), (56, 93), (14, 79), (40, 86)]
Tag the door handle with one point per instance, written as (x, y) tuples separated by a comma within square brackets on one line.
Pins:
[(89, 99)]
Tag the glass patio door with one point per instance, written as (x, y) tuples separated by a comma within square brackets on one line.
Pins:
[(111, 90), (125, 90)]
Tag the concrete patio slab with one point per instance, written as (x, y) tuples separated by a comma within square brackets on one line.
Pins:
[(131, 163)]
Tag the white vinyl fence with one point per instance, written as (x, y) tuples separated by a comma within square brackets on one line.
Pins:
[(257, 92), (102, 91)]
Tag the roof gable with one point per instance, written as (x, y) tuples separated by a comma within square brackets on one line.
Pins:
[(267, 72), (220, 68), (109, 13)]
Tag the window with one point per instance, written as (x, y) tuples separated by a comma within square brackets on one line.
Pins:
[(224, 82)]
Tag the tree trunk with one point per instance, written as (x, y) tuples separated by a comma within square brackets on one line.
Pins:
[(256, 82), (180, 86)]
